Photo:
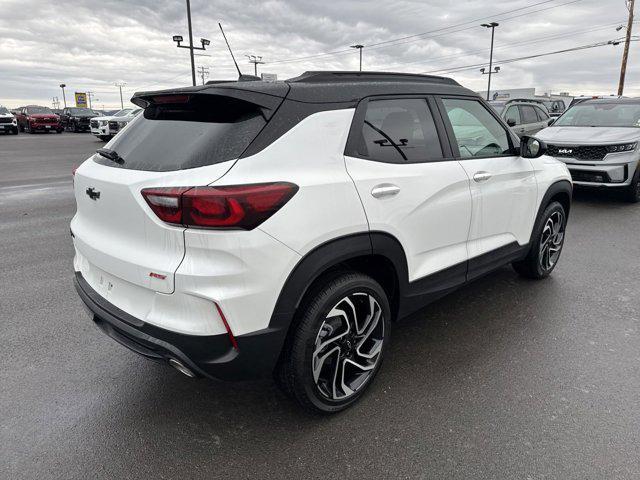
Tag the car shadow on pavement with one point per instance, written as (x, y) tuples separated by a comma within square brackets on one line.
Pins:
[(425, 376)]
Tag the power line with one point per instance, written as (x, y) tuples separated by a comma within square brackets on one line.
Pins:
[(517, 59), (464, 53), (425, 35)]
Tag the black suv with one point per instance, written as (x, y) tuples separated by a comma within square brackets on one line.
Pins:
[(76, 119)]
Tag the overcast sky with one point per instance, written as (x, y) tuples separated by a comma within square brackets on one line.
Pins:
[(89, 44)]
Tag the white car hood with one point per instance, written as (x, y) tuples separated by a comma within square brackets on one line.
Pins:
[(102, 119), (6, 115), (589, 135)]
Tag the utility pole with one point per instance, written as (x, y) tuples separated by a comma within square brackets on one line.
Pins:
[(89, 95), (492, 26), (255, 59), (623, 69), (62, 85), (178, 39), (359, 47), (203, 72), (120, 85)]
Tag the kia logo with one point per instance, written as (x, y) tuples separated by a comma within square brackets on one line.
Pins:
[(565, 151)]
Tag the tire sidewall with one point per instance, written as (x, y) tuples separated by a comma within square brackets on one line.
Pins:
[(548, 211), (311, 324)]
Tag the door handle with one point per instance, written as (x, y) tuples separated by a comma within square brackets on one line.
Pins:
[(385, 190), (481, 176)]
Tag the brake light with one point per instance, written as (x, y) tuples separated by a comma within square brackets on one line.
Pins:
[(164, 99), (234, 207)]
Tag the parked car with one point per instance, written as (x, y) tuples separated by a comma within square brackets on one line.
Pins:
[(252, 228), (555, 108), (582, 98), (34, 117), (524, 116), (118, 123), (598, 140), (76, 119), (8, 121), (106, 127)]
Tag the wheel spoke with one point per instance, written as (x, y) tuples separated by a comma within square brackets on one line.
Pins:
[(348, 346)]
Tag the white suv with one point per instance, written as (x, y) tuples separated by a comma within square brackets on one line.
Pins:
[(240, 229), (106, 127)]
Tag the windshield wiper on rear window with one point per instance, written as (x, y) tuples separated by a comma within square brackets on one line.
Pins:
[(111, 155)]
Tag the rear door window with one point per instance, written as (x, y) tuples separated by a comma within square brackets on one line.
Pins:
[(528, 114), (398, 131), (542, 116), (208, 130)]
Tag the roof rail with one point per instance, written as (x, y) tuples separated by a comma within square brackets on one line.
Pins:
[(534, 100), (356, 76)]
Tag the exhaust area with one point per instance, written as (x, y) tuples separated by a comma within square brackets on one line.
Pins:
[(178, 365)]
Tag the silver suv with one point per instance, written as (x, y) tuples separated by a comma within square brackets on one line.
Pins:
[(524, 116), (598, 140)]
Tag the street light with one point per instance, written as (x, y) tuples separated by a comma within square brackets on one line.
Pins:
[(62, 85), (178, 39), (359, 47), (255, 59), (492, 26)]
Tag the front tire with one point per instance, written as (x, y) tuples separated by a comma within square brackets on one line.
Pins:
[(632, 193), (338, 344), (546, 243)]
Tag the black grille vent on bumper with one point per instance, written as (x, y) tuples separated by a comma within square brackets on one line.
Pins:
[(6, 120), (591, 152), (113, 127), (590, 176), (94, 124)]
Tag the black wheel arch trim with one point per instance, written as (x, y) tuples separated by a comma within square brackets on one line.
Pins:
[(561, 186)]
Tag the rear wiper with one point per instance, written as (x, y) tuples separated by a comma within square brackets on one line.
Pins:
[(111, 155)]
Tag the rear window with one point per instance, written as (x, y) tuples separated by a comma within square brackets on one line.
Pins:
[(209, 129)]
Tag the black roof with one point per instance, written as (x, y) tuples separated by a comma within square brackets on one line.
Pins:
[(329, 86)]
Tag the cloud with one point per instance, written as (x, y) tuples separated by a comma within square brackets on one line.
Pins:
[(89, 45)]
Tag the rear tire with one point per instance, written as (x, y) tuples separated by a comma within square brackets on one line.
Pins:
[(547, 241), (337, 346)]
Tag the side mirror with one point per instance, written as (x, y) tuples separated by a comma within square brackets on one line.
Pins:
[(531, 147), (511, 122), (551, 121)]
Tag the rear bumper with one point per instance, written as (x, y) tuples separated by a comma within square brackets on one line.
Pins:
[(210, 356)]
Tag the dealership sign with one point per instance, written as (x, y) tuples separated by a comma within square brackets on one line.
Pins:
[(81, 99)]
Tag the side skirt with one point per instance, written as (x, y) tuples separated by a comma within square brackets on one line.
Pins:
[(422, 292)]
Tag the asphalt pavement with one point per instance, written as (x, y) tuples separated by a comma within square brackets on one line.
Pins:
[(503, 379)]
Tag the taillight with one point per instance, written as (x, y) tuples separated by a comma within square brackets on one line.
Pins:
[(235, 207)]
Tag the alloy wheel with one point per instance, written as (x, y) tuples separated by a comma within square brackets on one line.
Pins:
[(348, 346), (551, 240)]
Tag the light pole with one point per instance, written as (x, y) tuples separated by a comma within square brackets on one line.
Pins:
[(178, 39), (64, 98), (492, 26), (120, 85), (359, 47), (255, 59)]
